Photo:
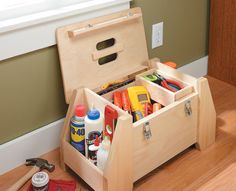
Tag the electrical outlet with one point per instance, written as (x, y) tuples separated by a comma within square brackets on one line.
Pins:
[(157, 35)]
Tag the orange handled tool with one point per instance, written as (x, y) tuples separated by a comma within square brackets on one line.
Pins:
[(117, 99), (148, 109), (171, 64), (125, 101), (156, 107)]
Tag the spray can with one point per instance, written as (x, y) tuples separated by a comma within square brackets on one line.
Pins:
[(77, 130)]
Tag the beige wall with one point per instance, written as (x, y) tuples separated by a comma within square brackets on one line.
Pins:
[(31, 85), (185, 28), (31, 93)]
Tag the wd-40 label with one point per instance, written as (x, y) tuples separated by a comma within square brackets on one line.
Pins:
[(77, 133)]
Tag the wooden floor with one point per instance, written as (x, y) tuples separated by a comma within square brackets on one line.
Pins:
[(187, 171)]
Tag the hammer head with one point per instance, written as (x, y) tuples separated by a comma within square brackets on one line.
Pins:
[(41, 163)]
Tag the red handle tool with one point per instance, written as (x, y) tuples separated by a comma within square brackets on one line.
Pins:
[(111, 116), (125, 101), (117, 99)]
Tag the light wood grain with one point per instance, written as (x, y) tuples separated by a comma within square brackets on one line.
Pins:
[(83, 167), (94, 100), (157, 93), (171, 123), (79, 69), (172, 132), (161, 94), (94, 27), (77, 97), (108, 51), (225, 181), (174, 73), (119, 150), (119, 168), (207, 116), (17, 185)]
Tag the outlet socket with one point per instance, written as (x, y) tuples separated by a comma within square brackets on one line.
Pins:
[(157, 35)]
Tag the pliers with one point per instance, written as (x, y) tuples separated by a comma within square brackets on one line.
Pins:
[(171, 85)]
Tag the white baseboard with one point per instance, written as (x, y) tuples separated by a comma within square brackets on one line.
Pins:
[(45, 139), (31, 145), (197, 68)]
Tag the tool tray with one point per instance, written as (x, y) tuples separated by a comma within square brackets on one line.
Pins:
[(112, 47)]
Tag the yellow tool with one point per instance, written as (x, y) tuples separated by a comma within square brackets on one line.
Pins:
[(105, 86), (138, 96)]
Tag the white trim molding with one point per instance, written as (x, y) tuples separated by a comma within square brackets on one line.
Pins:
[(46, 138), (36, 31), (31, 145), (198, 68)]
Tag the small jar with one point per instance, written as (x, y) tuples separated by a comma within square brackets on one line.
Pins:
[(40, 181)]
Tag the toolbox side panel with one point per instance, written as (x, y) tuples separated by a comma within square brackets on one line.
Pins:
[(172, 132), (82, 167)]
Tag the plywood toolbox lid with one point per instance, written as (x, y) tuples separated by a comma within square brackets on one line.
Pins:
[(79, 56)]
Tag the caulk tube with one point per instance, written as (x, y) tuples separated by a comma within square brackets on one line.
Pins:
[(103, 153), (93, 127)]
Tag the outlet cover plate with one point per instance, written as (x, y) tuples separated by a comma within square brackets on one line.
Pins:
[(157, 35)]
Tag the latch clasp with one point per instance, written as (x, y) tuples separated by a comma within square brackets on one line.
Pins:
[(188, 108), (147, 131)]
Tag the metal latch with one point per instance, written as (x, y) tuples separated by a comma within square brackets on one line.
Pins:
[(188, 108), (147, 131)]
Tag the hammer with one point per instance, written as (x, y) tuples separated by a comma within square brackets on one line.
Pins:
[(38, 165)]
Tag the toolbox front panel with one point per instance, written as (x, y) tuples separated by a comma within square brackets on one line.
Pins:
[(172, 132)]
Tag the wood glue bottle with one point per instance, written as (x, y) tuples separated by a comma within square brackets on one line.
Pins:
[(94, 123)]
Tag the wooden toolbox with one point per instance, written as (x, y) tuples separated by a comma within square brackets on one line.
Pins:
[(188, 116)]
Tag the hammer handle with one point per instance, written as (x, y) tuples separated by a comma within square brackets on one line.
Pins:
[(24, 179)]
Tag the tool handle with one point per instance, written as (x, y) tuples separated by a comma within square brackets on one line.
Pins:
[(117, 99), (24, 179), (125, 101)]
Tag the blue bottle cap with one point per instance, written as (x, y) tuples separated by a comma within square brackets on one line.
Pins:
[(93, 114)]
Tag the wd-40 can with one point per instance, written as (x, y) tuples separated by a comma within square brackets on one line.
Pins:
[(77, 130)]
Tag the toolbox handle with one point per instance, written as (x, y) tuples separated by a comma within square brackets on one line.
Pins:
[(90, 27), (108, 51)]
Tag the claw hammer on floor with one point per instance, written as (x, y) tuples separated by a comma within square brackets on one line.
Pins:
[(38, 165)]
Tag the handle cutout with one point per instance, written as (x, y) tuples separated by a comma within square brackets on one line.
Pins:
[(107, 59), (105, 44)]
